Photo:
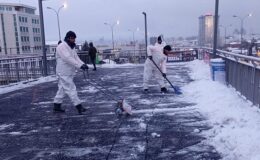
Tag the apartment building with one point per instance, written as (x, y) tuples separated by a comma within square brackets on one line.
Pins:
[(206, 30), (20, 32)]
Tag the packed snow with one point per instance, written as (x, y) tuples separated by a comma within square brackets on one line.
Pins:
[(25, 84), (235, 121)]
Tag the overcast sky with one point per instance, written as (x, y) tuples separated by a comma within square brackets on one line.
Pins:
[(172, 18)]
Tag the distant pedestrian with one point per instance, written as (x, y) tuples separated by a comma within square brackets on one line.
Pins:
[(93, 53), (159, 56), (67, 63)]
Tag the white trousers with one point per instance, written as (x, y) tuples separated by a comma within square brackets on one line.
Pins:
[(150, 70), (66, 86)]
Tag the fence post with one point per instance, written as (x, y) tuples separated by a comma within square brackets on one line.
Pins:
[(7, 68), (17, 70), (26, 69)]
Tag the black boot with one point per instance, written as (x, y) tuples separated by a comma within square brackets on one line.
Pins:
[(57, 108), (163, 90), (80, 108)]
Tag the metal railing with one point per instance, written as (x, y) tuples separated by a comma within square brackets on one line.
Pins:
[(242, 72), (30, 67), (24, 68)]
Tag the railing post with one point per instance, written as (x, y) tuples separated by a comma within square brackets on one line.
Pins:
[(7, 73), (17, 70), (26, 70)]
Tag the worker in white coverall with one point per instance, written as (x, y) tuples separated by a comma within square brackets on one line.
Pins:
[(159, 56), (67, 63)]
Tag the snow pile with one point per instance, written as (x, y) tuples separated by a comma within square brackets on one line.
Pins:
[(109, 61), (235, 122), (114, 65), (25, 84)]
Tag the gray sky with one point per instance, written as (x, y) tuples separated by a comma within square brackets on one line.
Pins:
[(172, 18)]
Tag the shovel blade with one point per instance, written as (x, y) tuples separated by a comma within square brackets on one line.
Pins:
[(177, 90)]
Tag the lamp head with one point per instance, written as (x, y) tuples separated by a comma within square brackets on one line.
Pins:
[(65, 5)]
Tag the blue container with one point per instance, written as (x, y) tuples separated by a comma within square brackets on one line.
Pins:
[(218, 72)]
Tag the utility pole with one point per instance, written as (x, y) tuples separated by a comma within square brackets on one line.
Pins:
[(145, 24), (215, 43), (44, 57)]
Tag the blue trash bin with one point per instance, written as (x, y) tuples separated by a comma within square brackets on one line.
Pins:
[(217, 68)]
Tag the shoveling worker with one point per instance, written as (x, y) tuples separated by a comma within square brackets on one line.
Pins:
[(159, 56), (67, 63)]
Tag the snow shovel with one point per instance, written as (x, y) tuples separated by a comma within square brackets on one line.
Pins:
[(176, 89), (122, 107)]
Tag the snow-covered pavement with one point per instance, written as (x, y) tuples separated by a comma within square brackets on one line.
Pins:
[(208, 121), (235, 122)]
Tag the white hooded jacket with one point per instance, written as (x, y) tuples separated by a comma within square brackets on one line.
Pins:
[(159, 58), (67, 60), (150, 69)]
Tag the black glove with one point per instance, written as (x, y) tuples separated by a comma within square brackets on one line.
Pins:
[(150, 57), (164, 75), (84, 67)]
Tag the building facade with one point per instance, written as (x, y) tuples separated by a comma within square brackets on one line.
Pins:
[(206, 30), (20, 32)]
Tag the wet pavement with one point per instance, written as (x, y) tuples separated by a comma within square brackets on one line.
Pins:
[(162, 127)]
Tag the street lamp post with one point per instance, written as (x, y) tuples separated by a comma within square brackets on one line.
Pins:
[(58, 19), (225, 32), (45, 72), (145, 25), (112, 30), (215, 43), (241, 27)]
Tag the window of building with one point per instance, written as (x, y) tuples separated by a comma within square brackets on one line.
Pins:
[(2, 8)]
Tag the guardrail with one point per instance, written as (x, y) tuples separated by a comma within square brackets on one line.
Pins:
[(24, 68), (31, 67), (242, 72)]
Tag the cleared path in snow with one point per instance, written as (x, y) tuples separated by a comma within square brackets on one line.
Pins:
[(162, 127)]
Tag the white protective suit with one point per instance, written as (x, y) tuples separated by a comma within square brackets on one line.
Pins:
[(67, 63), (150, 69), (163, 44)]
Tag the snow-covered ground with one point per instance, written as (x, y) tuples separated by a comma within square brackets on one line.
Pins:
[(235, 122), (24, 84)]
